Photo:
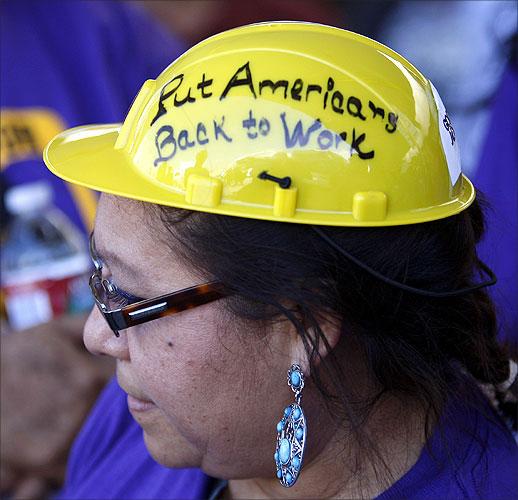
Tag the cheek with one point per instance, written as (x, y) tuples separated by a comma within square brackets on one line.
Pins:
[(220, 395), (189, 370)]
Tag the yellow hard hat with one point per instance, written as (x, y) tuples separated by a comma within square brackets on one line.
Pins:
[(284, 121)]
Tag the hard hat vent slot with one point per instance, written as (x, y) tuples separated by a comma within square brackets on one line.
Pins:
[(369, 206), (203, 191), (285, 201)]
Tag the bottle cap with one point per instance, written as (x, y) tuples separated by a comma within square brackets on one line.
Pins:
[(27, 198)]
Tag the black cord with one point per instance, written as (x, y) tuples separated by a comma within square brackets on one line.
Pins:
[(402, 286)]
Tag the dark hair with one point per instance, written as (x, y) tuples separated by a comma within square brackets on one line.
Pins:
[(414, 345)]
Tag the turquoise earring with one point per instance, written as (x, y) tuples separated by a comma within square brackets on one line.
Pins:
[(291, 433)]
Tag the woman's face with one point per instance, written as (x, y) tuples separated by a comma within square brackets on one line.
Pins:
[(206, 392)]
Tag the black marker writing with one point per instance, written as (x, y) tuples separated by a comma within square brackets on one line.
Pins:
[(376, 111), (166, 93), (337, 102), (327, 96), (355, 146), (392, 118), (354, 107), (203, 85), (187, 98), (296, 89), (330, 86), (173, 88), (313, 88), (236, 81), (274, 86)]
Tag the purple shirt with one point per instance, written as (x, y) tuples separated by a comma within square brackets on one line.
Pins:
[(109, 459), (470, 457)]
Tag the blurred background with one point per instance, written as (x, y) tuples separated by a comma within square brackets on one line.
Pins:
[(67, 63)]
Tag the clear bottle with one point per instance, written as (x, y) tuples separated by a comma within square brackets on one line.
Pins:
[(43, 260)]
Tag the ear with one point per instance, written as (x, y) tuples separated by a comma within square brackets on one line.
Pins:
[(327, 340)]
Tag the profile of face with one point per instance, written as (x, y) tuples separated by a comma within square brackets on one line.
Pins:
[(206, 391)]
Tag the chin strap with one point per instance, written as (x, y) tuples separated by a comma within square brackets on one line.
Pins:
[(419, 291)]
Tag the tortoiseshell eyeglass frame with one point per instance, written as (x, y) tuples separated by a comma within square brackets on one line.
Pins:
[(148, 309)]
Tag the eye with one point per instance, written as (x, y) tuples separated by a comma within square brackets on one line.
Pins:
[(126, 296), (118, 296)]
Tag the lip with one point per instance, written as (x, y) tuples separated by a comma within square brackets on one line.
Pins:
[(139, 405), (135, 404)]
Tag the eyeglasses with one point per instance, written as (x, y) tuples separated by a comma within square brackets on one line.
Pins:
[(109, 298)]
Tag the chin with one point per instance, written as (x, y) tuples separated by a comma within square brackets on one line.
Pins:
[(171, 453)]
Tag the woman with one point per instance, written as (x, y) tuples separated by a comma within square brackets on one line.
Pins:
[(286, 274)]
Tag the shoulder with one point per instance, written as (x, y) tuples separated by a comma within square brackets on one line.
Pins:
[(489, 470), (471, 454)]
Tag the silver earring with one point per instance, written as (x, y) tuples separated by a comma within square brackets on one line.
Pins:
[(291, 433)]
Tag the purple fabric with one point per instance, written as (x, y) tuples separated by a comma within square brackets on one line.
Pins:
[(109, 460), (82, 60), (497, 178), (470, 457)]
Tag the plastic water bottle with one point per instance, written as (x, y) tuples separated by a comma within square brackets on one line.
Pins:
[(43, 260)]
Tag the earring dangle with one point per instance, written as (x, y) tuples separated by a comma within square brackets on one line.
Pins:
[(291, 433)]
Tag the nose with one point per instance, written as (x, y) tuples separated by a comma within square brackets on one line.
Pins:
[(99, 338)]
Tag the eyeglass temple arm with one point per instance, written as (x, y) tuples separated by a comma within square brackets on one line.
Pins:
[(165, 305)]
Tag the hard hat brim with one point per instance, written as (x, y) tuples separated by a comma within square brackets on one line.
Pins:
[(86, 156)]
